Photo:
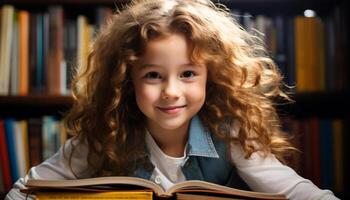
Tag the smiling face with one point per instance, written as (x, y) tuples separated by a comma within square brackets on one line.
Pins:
[(169, 89)]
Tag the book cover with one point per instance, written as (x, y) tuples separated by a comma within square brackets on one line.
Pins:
[(290, 52), (40, 53), (113, 183), (330, 54), (32, 60), (129, 195), (300, 54), (23, 21), (326, 150), (281, 50), (55, 50), (11, 146), (7, 16), (21, 138), (338, 146), (5, 162), (50, 136), (314, 124), (35, 141), (14, 61), (2, 187)]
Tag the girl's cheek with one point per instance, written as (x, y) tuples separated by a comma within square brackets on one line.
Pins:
[(196, 93), (150, 92)]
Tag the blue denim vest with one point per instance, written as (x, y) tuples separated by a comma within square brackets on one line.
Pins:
[(207, 160)]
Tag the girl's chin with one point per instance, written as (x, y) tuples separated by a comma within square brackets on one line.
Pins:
[(171, 124)]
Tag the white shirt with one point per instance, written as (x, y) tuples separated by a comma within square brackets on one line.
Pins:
[(167, 169), (281, 178)]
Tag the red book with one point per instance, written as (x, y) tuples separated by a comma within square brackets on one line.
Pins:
[(315, 151), (5, 163)]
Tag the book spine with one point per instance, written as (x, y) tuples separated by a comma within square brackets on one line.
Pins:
[(326, 151), (5, 162), (23, 17), (11, 145), (7, 16)]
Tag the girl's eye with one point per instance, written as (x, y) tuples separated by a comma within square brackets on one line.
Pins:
[(153, 75), (188, 74)]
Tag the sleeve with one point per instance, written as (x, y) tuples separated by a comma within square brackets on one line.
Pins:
[(56, 167), (267, 174)]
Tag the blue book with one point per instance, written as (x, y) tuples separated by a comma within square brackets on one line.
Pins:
[(11, 145), (326, 148), (40, 54), (290, 53), (50, 136)]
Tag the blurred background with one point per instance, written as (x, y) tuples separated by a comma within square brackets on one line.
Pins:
[(42, 41)]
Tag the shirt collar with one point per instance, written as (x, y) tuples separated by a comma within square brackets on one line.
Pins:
[(200, 142)]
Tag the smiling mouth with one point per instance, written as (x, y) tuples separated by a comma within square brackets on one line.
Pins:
[(171, 109)]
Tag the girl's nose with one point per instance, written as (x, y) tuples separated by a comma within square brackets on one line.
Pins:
[(171, 89)]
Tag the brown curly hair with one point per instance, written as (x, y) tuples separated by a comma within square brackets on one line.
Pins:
[(242, 80)]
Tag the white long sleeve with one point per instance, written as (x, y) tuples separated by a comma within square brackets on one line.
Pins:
[(57, 167), (267, 174)]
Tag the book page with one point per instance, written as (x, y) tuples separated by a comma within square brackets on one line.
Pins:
[(112, 180), (206, 187), (183, 196)]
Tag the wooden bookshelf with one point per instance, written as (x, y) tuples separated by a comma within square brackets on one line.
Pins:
[(34, 106), (322, 104), (39, 100)]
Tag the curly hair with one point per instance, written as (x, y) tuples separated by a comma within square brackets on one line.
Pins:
[(242, 83)]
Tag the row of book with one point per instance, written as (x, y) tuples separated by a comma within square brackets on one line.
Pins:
[(39, 50), (310, 51), (322, 151), (26, 143)]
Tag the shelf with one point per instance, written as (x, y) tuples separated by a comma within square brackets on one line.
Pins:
[(321, 104), (64, 2), (33, 106), (39, 100), (324, 105), (290, 7)]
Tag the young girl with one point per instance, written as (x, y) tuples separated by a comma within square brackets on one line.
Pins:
[(176, 90)]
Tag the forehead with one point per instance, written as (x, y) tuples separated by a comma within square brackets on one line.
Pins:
[(167, 45)]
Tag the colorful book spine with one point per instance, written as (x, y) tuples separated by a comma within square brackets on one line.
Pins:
[(327, 160), (11, 147), (4, 157), (23, 21), (338, 147)]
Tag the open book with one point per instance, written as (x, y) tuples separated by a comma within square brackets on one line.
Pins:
[(181, 190)]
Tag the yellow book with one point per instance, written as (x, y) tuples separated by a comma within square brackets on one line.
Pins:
[(309, 54), (134, 195), (321, 58), (310, 51), (103, 185), (24, 135), (300, 54), (83, 38)]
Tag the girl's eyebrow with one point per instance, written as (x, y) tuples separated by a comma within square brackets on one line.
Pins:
[(143, 66), (148, 65)]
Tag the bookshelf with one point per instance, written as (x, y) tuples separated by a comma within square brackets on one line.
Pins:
[(34, 106), (327, 103), (306, 105)]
